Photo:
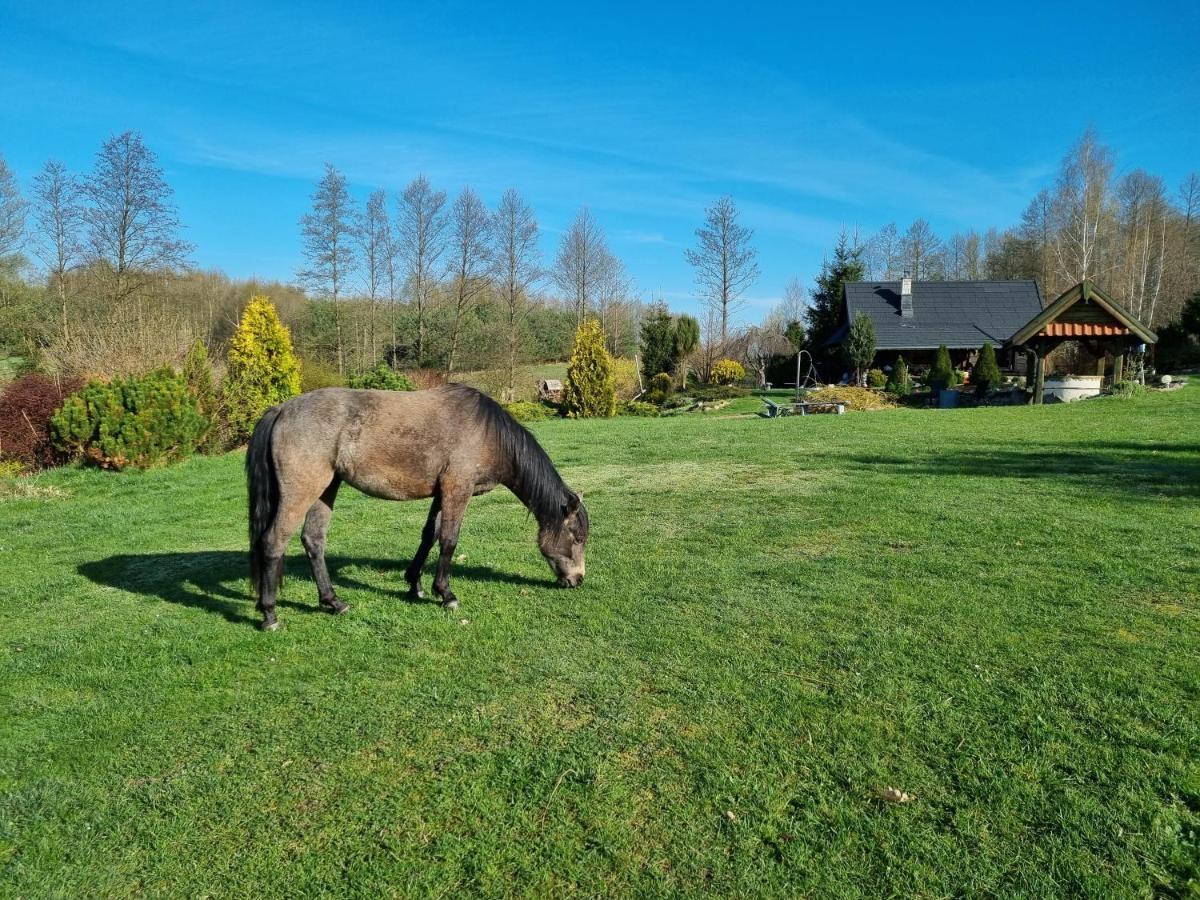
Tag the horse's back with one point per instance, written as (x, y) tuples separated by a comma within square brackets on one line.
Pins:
[(391, 444)]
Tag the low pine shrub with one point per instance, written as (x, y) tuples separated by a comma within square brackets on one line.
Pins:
[(383, 378), (660, 389), (638, 408), (137, 421), (26, 406), (529, 411), (876, 380), (986, 374)]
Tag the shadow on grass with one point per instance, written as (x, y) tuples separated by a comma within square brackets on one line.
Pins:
[(1122, 466), (217, 581)]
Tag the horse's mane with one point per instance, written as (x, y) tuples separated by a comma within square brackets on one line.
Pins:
[(535, 480)]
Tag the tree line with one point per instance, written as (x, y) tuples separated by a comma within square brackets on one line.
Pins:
[(95, 275)]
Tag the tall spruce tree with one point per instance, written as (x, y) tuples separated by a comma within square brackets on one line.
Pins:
[(860, 345), (825, 314), (657, 339)]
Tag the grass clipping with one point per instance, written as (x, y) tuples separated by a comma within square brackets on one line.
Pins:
[(855, 398)]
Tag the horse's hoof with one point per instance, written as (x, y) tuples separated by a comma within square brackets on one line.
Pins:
[(268, 626), (416, 594), (336, 607), (449, 604)]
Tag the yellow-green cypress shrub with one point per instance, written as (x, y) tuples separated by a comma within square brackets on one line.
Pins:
[(589, 391), (263, 369)]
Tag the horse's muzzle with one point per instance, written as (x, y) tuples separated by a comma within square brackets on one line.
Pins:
[(570, 581)]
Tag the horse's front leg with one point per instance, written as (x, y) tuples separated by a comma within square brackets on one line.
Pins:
[(428, 535), (454, 504)]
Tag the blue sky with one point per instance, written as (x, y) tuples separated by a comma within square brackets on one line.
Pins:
[(852, 114)]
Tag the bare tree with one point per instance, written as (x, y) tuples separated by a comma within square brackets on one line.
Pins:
[(1082, 209), (132, 225), (421, 232), (58, 212), (329, 233), (1037, 229), (12, 214), (921, 252), (470, 263), (375, 242), (517, 271), (583, 263), (613, 303), (725, 262), (883, 253)]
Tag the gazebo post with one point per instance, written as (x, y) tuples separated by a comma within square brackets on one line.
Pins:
[(1119, 366), (1039, 381)]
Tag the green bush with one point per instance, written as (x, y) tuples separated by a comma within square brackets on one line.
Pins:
[(314, 375), (876, 380), (383, 378), (589, 390), (137, 421), (638, 408), (727, 371), (529, 411), (661, 388), (900, 382), (198, 376)]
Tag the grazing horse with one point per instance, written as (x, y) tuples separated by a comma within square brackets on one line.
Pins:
[(449, 443)]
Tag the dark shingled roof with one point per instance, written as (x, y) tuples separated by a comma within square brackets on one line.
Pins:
[(959, 314)]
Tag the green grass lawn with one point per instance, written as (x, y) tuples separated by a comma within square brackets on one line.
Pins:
[(992, 610)]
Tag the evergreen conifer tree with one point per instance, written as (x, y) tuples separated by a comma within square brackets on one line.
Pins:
[(942, 374), (986, 374), (900, 381), (589, 391), (263, 369), (198, 376)]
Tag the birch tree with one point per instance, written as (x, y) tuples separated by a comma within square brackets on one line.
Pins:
[(132, 224), (921, 252), (582, 263), (470, 263), (1082, 209), (375, 241), (517, 269), (724, 260), (12, 215), (329, 233), (58, 214), (421, 243)]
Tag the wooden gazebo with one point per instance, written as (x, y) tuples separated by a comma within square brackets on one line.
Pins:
[(1086, 314)]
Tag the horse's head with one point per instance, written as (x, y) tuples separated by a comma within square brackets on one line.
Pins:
[(562, 539)]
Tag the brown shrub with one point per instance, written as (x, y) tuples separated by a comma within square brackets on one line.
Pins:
[(26, 406), (425, 378)]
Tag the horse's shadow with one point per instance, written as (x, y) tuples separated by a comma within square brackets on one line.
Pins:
[(217, 581)]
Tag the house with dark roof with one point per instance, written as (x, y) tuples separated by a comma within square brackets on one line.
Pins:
[(914, 318)]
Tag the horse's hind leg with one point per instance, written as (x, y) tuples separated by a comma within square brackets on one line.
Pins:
[(413, 573), (316, 526), (274, 544)]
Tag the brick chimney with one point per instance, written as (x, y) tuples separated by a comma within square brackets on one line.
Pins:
[(906, 305)]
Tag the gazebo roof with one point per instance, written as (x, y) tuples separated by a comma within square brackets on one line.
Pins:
[(1083, 311)]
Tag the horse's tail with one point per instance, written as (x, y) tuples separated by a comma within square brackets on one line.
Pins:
[(262, 484)]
